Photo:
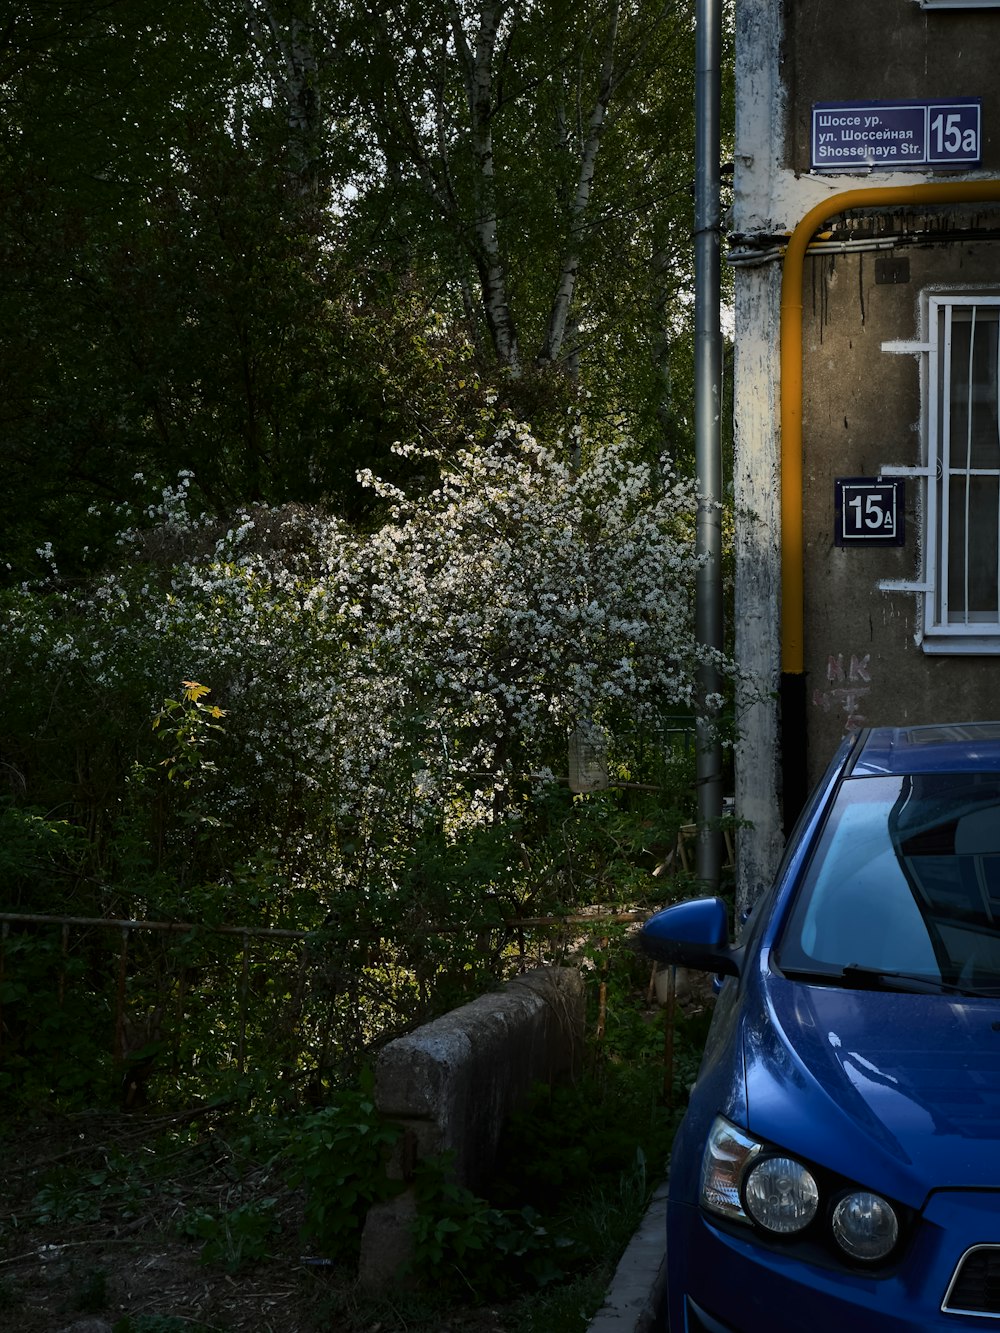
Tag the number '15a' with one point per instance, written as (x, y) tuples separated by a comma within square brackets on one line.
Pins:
[(876, 512), (949, 137)]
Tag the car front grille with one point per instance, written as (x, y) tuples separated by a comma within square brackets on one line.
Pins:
[(975, 1287)]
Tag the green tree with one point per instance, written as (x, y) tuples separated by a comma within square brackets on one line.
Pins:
[(174, 291), (536, 158), (260, 240)]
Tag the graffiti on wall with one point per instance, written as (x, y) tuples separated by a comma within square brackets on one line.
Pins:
[(846, 687)]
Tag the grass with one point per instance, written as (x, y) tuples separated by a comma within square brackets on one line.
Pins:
[(163, 1222)]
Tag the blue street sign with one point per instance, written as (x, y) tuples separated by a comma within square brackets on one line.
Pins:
[(847, 136)]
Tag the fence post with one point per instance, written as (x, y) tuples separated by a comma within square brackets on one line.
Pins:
[(119, 1043), (244, 991), (3, 958), (64, 954)]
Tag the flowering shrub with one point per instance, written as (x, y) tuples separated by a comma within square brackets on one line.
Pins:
[(390, 710)]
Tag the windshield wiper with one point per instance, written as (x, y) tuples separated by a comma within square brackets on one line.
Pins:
[(871, 978)]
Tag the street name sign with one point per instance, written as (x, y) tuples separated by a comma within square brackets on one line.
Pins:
[(848, 136)]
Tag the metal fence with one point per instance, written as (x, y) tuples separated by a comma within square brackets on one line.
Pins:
[(138, 997)]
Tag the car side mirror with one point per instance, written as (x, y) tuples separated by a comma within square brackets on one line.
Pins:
[(693, 934)]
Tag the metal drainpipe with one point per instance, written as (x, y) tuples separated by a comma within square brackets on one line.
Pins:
[(708, 417), (793, 686)]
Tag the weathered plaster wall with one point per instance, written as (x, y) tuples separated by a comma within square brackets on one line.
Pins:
[(773, 186), (757, 605), (892, 51), (861, 411), (861, 656), (760, 115)]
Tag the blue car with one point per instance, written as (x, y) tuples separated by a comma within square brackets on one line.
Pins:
[(837, 1169)]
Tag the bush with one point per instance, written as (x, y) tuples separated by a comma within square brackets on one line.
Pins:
[(464, 1247), (286, 723), (339, 1155)]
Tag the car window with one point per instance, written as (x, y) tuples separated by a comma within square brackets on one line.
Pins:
[(905, 878)]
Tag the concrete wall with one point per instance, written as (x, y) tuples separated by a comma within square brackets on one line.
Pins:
[(861, 411), (861, 408), (761, 114), (453, 1083), (854, 50)]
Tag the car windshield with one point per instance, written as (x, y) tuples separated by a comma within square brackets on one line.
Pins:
[(905, 881)]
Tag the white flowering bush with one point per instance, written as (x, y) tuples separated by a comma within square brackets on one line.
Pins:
[(387, 757), (517, 599)]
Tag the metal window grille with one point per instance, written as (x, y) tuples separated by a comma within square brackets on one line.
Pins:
[(963, 497)]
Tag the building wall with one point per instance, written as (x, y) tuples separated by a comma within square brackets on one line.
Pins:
[(861, 412), (760, 120), (856, 50), (861, 405)]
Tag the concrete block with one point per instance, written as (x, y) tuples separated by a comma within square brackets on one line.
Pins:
[(453, 1083), (386, 1243)]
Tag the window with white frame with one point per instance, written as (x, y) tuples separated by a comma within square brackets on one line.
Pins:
[(959, 4), (962, 552)]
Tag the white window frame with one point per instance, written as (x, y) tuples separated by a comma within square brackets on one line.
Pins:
[(960, 4), (943, 463), (939, 633)]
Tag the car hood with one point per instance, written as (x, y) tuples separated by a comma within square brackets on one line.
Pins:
[(901, 1091)]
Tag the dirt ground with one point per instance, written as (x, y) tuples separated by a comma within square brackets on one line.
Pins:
[(95, 1238)]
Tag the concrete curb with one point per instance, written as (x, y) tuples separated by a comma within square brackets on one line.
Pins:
[(634, 1300)]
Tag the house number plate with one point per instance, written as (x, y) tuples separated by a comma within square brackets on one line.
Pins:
[(868, 511)]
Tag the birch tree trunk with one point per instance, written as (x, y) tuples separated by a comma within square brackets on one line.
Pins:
[(286, 44), (476, 58), (555, 334), (544, 179)]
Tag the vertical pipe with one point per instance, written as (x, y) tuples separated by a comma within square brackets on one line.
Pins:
[(63, 956), (669, 1026), (708, 412)]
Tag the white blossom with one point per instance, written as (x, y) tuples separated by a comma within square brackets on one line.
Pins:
[(423, 668)]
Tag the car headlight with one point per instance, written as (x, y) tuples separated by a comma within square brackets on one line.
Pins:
[(781, 1195), (727, 1155), (865, 1226), (746, 1180), (778, 1193)]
